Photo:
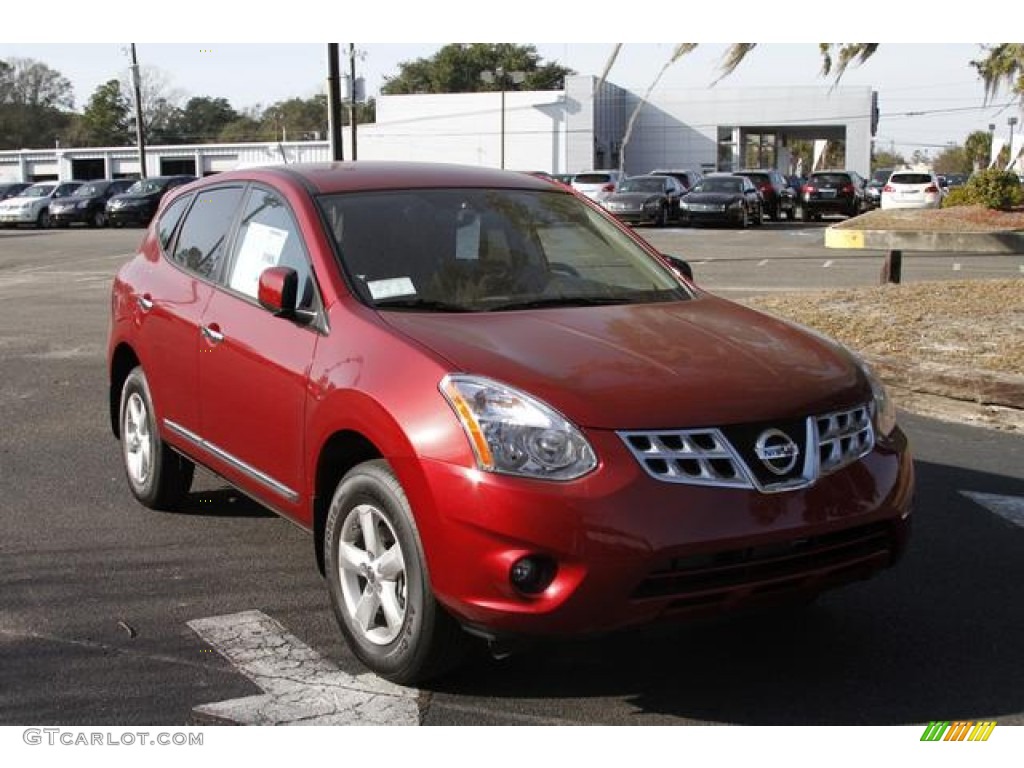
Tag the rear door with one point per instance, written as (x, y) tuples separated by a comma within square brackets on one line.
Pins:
[(178, 291)]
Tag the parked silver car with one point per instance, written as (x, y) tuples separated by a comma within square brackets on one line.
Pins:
[(597, 185)]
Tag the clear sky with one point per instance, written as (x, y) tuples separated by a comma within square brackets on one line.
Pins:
[(929, 95)]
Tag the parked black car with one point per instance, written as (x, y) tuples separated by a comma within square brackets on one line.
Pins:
[(88, 203), (775, 191), (724, 199), (833, 192), (13, 189), (688, 178), (645, 200), (140, 202)]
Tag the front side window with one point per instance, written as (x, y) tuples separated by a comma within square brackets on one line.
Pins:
[(268, 237), (202, 242), (475, 250)]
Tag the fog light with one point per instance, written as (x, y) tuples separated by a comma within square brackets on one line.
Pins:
[(532, 574)]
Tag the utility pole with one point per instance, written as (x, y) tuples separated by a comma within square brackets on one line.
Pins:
[(334, 101), (140, 132), (352, 97)]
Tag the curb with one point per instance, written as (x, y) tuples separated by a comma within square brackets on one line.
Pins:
[(1003, 241), (981, 388)]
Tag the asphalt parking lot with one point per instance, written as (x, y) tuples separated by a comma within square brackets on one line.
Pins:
[(100, 599)]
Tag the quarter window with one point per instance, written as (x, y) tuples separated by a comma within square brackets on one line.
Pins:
[(268, 237), (202, 242), (169, 220)]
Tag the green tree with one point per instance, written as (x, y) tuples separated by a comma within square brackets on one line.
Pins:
[(160, 105), (297, 119), (978, 148), (456, 68), (107, 119), (952, 159), (202, 119), (884, 159), (35, 104), (1002, 67)]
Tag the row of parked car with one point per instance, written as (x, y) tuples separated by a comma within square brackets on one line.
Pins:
[(116, 202), (748, 196)]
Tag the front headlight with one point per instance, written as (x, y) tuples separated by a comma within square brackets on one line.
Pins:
[(883, 410), (515, 434), (683, 205), (736, 204), (82, 205)]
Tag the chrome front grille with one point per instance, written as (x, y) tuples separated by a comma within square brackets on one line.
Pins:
[(709, 456), (695, 457), (843, 438)]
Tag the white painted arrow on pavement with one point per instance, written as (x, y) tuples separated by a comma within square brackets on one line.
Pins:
[(301, 687), (1008, 507)]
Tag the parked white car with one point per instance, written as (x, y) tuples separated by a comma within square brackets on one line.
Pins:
[(597, 185), (33, 205), (911, 189)]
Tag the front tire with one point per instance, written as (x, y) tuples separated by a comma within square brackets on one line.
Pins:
[(158, 476), (43, 221), (378, 582)]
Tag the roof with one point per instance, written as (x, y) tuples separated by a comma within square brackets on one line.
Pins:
[(327, 178)]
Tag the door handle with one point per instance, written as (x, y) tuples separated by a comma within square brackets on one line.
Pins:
[(213, 334)]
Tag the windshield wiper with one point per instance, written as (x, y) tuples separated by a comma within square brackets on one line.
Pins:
[(563, 301), (426, 305)]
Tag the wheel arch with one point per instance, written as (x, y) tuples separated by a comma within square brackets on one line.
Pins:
[(122, 362)]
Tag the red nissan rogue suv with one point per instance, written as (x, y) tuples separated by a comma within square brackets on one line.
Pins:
[(499, 412)]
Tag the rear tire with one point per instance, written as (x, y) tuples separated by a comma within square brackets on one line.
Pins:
[(378, 581)]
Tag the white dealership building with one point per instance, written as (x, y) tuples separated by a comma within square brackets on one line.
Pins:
[(581, 127)]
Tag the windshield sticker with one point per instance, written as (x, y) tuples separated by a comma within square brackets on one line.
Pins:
[(260, 250), (391, 287)]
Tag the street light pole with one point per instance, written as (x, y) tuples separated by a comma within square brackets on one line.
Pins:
[(500, 76)]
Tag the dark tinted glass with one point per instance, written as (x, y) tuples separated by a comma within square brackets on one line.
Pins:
[(592, 178), (830, 179), (169, 220), (202, 241), (910, 178)]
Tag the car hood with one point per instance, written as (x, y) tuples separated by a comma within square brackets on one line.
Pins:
[(144, 198), (72, 200), (713, 198), (701, 362)]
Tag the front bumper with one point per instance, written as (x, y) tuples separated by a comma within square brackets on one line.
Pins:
[(70, 215), (119, 216), (632, 550), (22, 216), (728, 216)]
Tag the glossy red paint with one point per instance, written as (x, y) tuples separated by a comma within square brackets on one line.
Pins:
[(282, 407)]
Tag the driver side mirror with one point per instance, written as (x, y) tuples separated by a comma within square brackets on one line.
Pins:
[(278, 289), (680, 265)]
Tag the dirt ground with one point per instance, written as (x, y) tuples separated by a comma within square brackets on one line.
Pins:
[(974, 326)]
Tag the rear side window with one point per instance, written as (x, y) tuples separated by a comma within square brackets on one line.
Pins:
[(202, 241), (169, 220)]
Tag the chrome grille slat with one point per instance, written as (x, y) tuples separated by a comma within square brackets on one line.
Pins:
[(706, 456)]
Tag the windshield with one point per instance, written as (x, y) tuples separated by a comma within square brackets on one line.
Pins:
[(642, 185), (38, 190), (146, 186), (473, 250), (719, 185), (89, 190)]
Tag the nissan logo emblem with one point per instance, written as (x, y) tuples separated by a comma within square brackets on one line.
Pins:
[(777, 451)]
